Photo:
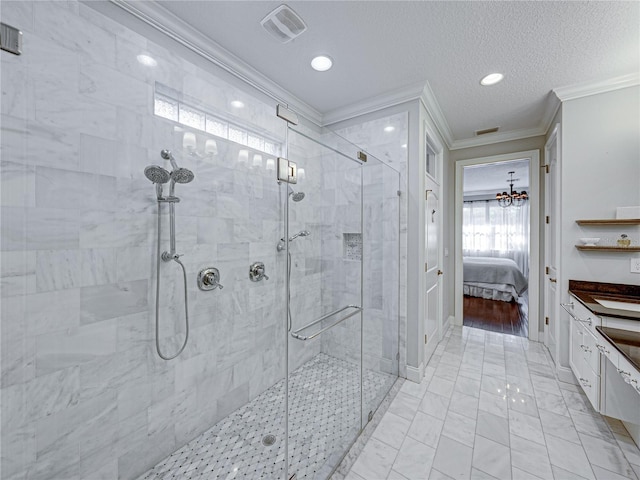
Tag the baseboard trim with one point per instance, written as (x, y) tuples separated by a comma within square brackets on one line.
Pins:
[(447, 324), (415, 374), (566, 375)]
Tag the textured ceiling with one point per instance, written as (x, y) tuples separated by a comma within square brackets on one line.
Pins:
[(493, 177), (380, 47)]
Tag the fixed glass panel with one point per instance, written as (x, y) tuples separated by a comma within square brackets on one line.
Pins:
[(324, 354), (381, 232)]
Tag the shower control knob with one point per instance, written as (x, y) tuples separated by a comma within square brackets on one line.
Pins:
[(257, 272), (209, 279)]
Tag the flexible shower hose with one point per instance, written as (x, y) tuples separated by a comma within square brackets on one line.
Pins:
[(186, 309)]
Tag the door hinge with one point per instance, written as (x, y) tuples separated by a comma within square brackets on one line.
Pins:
[(398, 356), (285, 114), (546, 270), (426, 268), (399, 193), (546, 220), (546, 320), (425, 339)]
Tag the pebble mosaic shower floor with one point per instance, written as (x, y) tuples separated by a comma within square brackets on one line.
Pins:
[(324, 413)]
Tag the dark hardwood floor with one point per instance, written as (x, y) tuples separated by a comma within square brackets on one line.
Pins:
[(495, 316)]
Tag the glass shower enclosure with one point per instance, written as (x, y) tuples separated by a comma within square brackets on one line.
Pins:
[(283, 366)]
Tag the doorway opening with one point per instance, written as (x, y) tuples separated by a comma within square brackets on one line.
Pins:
[(497, 243)]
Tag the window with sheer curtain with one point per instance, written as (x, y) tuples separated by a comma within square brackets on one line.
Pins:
[(489, 230)]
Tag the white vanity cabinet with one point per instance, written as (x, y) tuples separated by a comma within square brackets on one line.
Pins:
[(620, 379), (584, 355)]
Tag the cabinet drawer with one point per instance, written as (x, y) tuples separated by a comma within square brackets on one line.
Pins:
[(590, 383), (590, 352), (608, 350), (583, 315), (629, 373)]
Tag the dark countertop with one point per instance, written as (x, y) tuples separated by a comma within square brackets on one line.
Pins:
[(625, 341), (587, 292)]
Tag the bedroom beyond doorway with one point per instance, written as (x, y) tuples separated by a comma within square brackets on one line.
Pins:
[(496, 246)]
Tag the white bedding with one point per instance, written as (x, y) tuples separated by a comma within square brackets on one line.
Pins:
[(493, 278)]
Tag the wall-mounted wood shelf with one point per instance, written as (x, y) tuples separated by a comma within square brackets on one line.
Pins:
[(598, 248), (610, 221)]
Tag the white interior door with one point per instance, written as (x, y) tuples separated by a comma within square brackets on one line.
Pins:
[(433, 268), (552, 233)]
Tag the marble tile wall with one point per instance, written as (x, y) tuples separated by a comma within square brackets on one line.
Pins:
[(385, 224), (84, 394)]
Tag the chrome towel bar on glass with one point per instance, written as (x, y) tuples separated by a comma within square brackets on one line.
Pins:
[(296, 334)]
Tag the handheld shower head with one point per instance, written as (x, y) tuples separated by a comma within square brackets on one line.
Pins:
[(157, 174), (166, 154), (295, 196)]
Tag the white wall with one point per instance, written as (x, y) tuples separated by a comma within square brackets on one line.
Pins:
[(600, 171)]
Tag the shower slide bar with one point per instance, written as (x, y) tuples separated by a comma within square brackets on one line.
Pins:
[(295, 334)]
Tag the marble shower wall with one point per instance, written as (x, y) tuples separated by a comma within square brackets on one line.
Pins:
[(84, 394), (385, 224)]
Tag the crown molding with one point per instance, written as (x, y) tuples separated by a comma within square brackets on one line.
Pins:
[(498, 137), (579, 90), (431, 105), (168, 24), (390, 99)]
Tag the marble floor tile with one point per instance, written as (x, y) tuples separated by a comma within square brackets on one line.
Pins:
[(606, 455), (441, 386), (604, 474), (464, 405), (469, 429), (404, 405), (467, 386), (569, 456), (492, 458), (559, 426), (435, 405), (493, 427), (494, 404), (593, 425), (551, 403), (426, 429), (375, 460), (453, 458), (392, 430), (530, 457), (526, 426), (460, 428), (414, 459)]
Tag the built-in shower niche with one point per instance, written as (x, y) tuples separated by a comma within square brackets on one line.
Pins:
[(352, 246)]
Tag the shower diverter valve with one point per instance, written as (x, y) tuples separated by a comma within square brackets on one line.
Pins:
[(209, 279)]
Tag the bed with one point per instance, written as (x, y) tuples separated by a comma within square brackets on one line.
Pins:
[(493, 278)]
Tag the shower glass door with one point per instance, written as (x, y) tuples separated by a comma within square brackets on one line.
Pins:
[(324, 228)]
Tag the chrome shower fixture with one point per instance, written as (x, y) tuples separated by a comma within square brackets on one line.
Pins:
[(303, 233), (159, 176), (295, 196)]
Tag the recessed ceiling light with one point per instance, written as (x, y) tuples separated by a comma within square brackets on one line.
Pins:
[(321, 63), (492, 79), (237, 104), (146, 60), (389, 128)]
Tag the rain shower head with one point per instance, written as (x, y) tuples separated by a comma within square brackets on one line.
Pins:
[(295, 196), (182, 175), (157, 174)]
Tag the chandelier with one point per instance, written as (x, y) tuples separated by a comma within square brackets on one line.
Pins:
[(513, 198)]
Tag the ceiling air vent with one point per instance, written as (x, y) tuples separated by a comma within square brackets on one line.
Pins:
[(284, 24), (487, 130)]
